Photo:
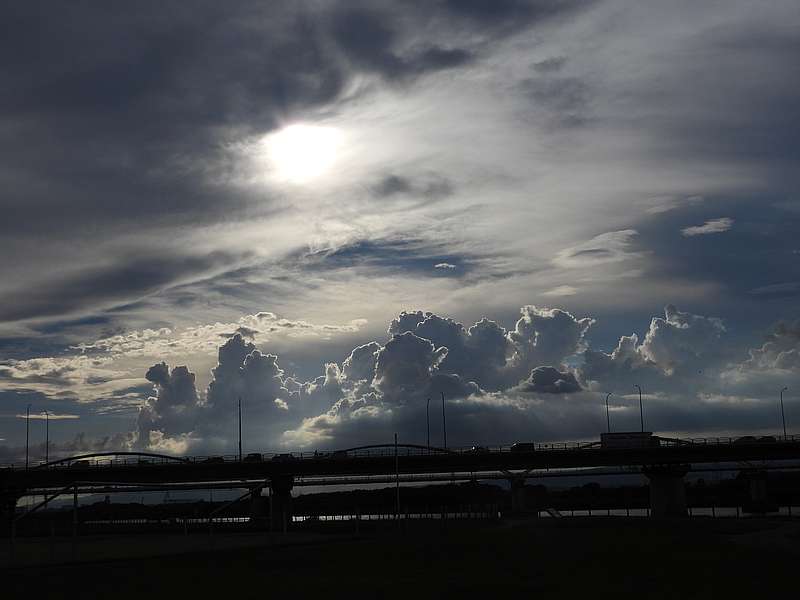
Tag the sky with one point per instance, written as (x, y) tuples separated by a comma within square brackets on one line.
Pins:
[(334, 211)]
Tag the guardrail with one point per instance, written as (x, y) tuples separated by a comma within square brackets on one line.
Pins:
[(111, 461)]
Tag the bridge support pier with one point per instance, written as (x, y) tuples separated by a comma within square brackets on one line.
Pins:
[(281, 502), (667, 490)]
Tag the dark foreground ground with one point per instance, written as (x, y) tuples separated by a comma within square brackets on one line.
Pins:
[(601, 557)]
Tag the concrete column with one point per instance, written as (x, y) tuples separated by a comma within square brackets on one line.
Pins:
[(667, 490), (281, 498), (757, 491), (259, 508), (519, 503), (8, 507)]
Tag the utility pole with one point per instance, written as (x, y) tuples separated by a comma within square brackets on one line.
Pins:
[(428, 421), (240, 429), (444, 423), (641, 412), (608, 418), (783, 416), (27, 433)]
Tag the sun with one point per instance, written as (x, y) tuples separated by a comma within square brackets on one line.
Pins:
[(299, 153)]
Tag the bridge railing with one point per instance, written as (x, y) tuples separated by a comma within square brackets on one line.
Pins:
[(383, 451)]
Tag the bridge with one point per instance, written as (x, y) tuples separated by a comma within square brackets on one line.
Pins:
[(665, 462)]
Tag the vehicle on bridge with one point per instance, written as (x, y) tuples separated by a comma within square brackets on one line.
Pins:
[(746, 439), (628, 439), (253, 457), (285, 457), (478, 450), (523, 447)]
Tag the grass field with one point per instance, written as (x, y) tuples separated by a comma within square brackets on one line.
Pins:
[(601, 557)]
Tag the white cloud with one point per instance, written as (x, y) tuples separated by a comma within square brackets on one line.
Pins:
[(608, 247), (709, 227), (561, 290), (50, 416)]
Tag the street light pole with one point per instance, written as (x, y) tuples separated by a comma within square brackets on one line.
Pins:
[(444, 423), (46, 437), (428, 421), (608, 418), (240, 429), (641, 411), (27, 433), (783, 416)]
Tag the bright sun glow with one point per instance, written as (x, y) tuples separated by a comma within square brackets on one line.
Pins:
[(299, 153)]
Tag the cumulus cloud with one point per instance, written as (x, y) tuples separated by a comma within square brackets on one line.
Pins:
[(780, 352), (174, 408), (709, 227), (549, 380), (545, 336), (676, 351)]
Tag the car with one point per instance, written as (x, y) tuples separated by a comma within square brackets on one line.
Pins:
[(80, 464), (747, 439), (339, 454), (285, 457), (767, 438), (214, 459), (523, 447), (478, 450), (253, 457)]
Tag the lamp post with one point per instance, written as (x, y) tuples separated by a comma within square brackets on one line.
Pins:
[(608, 418), (428, 421), (240, 429), (783, 416), (46, 437), (27, 433), (641, 411), (444, 423)]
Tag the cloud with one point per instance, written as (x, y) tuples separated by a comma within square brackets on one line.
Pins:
[(788, 289), (545, 336), (550, 65), (713, 226), (53, 416), (605, 248), (561, 290), (176, 406), (549, 380), (679, 351), (781, 350)]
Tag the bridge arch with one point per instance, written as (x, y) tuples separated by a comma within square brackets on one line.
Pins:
[(391, 446), (78, 457)]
